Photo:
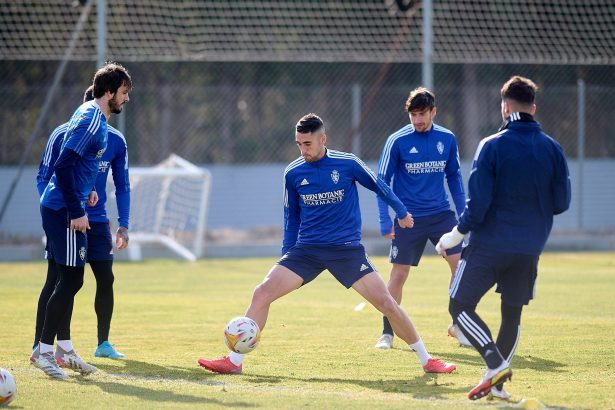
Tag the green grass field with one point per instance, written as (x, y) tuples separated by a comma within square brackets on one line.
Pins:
[(316, 351)]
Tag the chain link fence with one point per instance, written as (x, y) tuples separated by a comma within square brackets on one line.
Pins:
[(213, 113)]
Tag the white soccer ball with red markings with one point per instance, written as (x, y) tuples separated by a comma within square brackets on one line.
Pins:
[(8, 388), (242, 335)]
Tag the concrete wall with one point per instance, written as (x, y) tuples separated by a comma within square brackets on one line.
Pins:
[(250, 196)]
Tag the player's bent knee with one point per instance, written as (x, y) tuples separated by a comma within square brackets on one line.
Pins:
[(386, 305), (511, 315), (73, 286), (262, 295), (105, 282), (455, 308), (103, 272), (398, 279)]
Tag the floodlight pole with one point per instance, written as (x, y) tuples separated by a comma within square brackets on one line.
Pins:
[(580, 149), (101, 51), (427, 44), (101, 31), (356, 119)]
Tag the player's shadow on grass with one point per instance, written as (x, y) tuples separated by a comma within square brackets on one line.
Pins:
[(151, 371), (145, 369), (519, 362), (159, 396), (425, 386)]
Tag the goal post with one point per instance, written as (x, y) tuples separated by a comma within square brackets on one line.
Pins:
[(169, 203)]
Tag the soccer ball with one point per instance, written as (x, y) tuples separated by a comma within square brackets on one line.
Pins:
[(242, 335), (7, 387)]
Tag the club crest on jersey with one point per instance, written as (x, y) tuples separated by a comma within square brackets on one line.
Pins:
[(100, 153), (82, 253), (440, 147), (394, 252), (335, 176)]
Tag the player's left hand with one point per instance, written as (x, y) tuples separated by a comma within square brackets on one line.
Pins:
[(407, 221), (121, 238), (449, 240), (93, 198)]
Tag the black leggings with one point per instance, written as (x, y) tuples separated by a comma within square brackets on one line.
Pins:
[(60, 304), (467, 319), (103, 303)]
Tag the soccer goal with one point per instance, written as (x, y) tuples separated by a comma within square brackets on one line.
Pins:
[(169, 204)]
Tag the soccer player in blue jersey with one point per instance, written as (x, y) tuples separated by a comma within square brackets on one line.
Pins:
[(519, 180), (100, 245), (417, 158), (322, 230), (65, 221)]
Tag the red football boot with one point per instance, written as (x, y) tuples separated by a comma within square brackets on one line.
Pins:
[(222, 366)]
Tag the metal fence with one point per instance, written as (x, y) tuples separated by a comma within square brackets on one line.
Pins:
[(212, 113)]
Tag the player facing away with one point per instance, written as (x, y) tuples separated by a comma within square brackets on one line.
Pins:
[(65, 221), (322, 230), (100, 244), (417, 158), (519, 180)]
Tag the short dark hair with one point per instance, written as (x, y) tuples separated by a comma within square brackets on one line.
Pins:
[(519, 89), (310, 123), (89, 94), (420, 99), (110, 77)]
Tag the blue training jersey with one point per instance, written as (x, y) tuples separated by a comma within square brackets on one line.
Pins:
[(115, 158), (417, 163), (519, 180), (86, 135), (321, 203)]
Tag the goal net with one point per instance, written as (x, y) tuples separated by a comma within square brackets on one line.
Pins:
[(480, 31), (168, 207)]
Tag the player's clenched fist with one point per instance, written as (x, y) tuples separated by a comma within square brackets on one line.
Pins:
[(121, 238), (407, 221), (80, 224)]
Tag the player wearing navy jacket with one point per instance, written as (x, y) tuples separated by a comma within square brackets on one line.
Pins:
[(519, 180), (415, 161), (322, 230), (100, 246), (63, 211)]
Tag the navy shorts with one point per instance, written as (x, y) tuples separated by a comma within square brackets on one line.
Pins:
[(64, 245), (480, 269), (346, 263), (100, 242), (409, 243)]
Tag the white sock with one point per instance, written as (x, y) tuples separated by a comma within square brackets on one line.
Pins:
[(44, 348), (236, 358), (66, 345), (421, 352), (504, 365)]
